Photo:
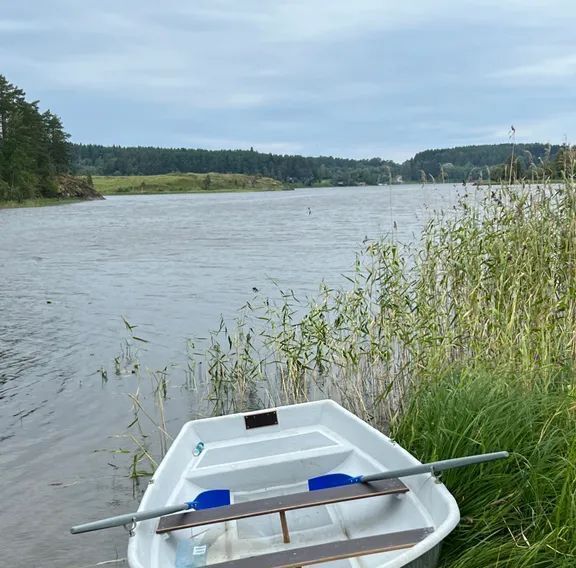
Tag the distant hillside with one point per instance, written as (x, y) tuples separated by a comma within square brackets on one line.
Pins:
[(448, 164)]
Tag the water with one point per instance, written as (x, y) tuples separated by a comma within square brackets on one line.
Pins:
[(171, 265)]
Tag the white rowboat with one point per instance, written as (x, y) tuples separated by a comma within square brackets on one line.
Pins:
[(290, 487), (265, 460)]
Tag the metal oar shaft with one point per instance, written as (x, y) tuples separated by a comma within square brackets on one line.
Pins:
[(128, 518), (434, 466), (205, 500)]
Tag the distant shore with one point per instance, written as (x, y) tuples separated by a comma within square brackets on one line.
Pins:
[(184, 183), (99, 186)]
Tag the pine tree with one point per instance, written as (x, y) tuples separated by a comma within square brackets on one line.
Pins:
[(33, 146)]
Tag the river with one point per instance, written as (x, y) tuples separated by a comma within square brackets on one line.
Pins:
[(171, 265)]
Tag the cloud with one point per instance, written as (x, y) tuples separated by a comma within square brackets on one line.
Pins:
[(316, 76), (561, 66)]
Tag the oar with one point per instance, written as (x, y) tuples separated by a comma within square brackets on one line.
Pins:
[(339, 479), (204, 500)]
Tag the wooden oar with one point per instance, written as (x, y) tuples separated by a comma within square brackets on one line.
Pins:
[(339, 479), (204, 500)]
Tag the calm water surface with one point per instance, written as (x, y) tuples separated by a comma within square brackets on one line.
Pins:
[(171, 265)]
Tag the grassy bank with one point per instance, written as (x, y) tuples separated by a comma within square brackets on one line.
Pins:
[(183, 183), (519, 513), (464, 343)]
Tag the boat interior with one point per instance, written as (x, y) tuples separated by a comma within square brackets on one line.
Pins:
[(277, 461)]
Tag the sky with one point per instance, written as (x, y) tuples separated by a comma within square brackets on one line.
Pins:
[(362, 78)]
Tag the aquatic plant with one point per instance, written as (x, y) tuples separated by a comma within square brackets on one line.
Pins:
[(493, 283)]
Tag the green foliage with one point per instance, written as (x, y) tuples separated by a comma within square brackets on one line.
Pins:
[(520, 512), (466, 163), (33, 147), (486, 162), (115, 161)]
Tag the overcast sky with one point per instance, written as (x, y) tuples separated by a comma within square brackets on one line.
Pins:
[(354, 78)]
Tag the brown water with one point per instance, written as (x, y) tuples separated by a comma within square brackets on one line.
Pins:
[(171, 265)]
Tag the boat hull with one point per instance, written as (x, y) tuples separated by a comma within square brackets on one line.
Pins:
[(273, 453)]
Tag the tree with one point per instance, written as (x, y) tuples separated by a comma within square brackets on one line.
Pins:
[(451, 164), (33, 146), (58, 147)]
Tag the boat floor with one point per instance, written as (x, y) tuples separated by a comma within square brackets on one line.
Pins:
[(343, 550)]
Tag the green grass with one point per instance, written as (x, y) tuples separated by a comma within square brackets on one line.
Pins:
[(520, 512), (183, 183)]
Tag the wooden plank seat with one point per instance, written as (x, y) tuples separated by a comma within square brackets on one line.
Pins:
[(296, 557), (280, 505)]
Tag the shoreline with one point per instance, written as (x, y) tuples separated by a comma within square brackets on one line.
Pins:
[(54, 201), (182, 183), (196, 191), (41, 202)]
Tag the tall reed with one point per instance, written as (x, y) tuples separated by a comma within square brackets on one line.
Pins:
[(491, 284), (462, 344)]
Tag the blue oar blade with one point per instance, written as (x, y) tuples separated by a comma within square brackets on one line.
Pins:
[(212, 498), (331, 480)]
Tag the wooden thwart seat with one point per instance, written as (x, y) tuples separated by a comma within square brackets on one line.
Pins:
[(297, 557), (280, 505), (331, 551)]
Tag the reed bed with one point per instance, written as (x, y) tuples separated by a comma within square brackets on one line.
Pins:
[(492, 284), (462, 344)]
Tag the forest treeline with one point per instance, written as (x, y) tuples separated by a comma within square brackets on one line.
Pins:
[(34, 148), (465, 163), (35, 153), (116, 160)]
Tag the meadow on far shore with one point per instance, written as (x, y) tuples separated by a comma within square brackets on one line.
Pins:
[(183, 183)]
